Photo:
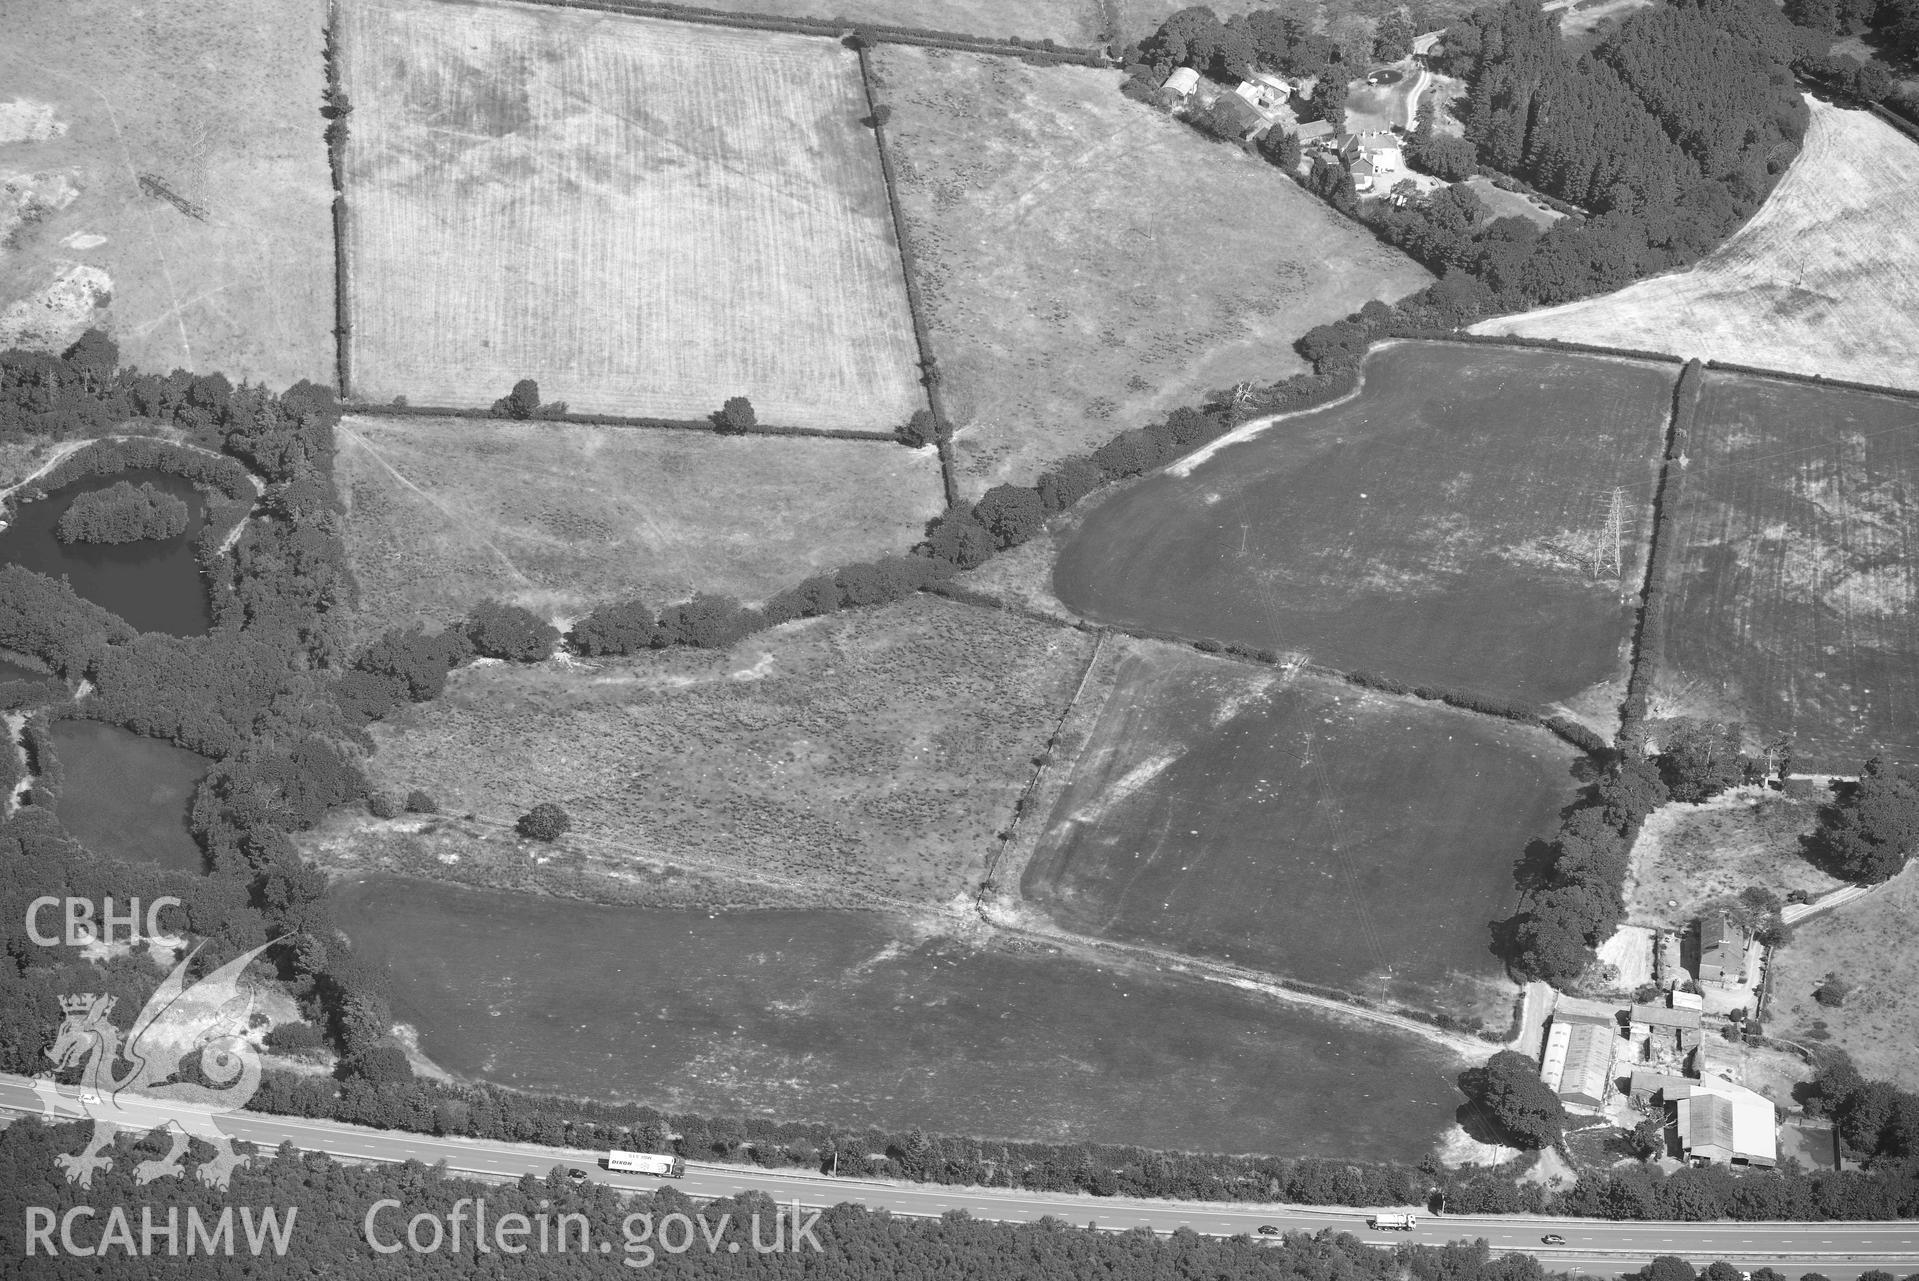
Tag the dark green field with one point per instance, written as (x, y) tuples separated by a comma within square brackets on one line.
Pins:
[(1794, 601), (848, 1018), (1303, 827), (1438, 528), (126, 796)]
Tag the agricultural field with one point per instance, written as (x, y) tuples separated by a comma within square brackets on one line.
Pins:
[(444, 512), (861, 757), (1793, 603), (1501, 203), (1869, 944), (1300, 826), (495, 166), (1451, 524), (215, 102), (862, 1019), (1088, 262), (1688, 855), (1823, 280)]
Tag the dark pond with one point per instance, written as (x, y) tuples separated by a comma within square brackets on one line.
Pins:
[(838, 1017), (1385, 77), (153, 584), (12, 671), (126, 796)]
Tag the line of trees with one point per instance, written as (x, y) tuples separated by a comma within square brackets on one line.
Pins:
[(325, 1204)]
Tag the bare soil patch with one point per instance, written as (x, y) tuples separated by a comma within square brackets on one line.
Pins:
[(219, 101), (646, 217), (443, 512), (1089, 262), (1823, 280), (872, 753)]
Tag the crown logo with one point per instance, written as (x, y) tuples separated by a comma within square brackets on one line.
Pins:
[(78, 1004)]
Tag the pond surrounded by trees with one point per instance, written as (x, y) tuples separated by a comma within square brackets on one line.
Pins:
[(125, 796), (154, 584), (845, 1018)]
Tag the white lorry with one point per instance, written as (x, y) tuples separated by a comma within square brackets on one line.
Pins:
[(1393, 1222), (667, 1167)]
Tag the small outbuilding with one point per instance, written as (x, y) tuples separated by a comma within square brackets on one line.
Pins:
[(1182, 82)]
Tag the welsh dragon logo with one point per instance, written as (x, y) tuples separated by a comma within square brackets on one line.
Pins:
[(207, 1018)]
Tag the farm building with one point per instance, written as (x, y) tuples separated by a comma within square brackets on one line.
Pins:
[(1720, 1123), (1723, 947), (1663, 1033), (1649, 1086), (1234, 118), (1315, 133), (1264, 91), (1182, 82), (1577, 1064)]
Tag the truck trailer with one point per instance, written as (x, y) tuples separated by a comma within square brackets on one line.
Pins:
[(1393, 1222)]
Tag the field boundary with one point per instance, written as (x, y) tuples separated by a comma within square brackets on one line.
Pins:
[(1023, 804), (909, 272), (336, 131), (1811, 380), (1649, 636), (1534, 344), (1473, 702), (1046, 50), (1893, 118), (373, 410)]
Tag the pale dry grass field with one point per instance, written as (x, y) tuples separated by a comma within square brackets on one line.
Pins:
[(877, 752), (1692, 854), (1089, 262), (646, 217), (1870, 944), (1823, 280), (444, 512), (219, 100)]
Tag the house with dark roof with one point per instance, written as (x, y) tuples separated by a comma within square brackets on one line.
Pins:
[(1722, 951)]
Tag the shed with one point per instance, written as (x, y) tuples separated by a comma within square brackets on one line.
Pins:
[(1665, 1087), (1723, 1122), (1183, 81)]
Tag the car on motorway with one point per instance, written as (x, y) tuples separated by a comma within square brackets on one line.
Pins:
[(576, 1174), (1268, 1230), (1552, 1238)]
